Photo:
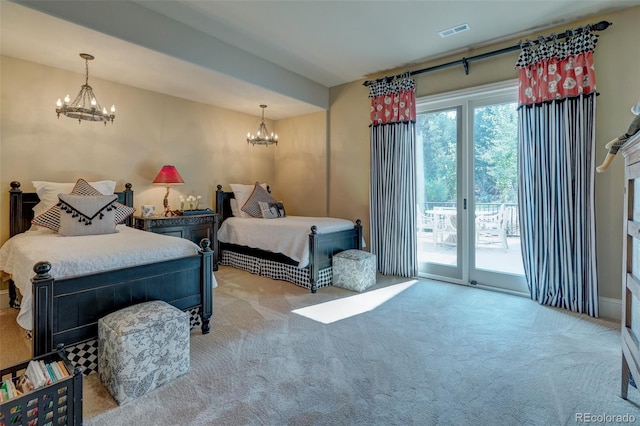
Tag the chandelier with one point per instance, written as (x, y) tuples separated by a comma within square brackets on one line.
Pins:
[(263, 137), (85, 106)]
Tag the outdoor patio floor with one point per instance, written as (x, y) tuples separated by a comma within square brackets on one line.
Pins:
[(490, 255)]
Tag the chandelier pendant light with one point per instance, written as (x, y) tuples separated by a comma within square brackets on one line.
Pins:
[(262, 137), (85, 106)]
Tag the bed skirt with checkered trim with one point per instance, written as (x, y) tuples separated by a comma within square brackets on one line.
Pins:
[(275, 270)]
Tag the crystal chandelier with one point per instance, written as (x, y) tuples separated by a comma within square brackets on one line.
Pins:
[(85, 106), (263, 137)]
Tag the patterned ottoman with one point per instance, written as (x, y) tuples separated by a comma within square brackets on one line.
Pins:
[(142, 347), (354, 270)]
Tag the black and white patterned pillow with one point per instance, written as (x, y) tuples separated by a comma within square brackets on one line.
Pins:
[(51, 218), (272, 210), (87, 214), (259, 194)]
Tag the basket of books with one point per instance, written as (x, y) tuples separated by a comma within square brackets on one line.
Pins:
[(46, 390)]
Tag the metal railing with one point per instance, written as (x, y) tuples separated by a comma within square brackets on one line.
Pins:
[(513, 223)]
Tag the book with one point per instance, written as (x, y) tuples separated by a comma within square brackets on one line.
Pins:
[(56, 370), (34, 373), (63, 369), (52, 374), (45, 373), (5, 387)]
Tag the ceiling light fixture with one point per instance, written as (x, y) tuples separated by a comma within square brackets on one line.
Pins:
[(85, 106), (263, 137)]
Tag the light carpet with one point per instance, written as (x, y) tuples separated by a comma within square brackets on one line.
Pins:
[(433, 354)]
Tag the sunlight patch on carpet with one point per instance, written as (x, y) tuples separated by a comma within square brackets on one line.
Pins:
[(336, 310)]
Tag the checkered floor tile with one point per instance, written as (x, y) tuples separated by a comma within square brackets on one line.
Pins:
[(84, 355)]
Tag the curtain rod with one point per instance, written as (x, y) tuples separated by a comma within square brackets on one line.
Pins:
[(600, 26)]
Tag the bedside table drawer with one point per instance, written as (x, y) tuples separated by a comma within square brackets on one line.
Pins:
[(193, 228), (172, 232)]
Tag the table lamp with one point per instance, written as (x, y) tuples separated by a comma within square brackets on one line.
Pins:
[(168, 176)]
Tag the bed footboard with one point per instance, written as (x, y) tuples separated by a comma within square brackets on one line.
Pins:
[(322, 247), (67, 310)]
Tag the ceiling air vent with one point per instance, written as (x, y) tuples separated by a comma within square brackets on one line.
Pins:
[(454, 30)]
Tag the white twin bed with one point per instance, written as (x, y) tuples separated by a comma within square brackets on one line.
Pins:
[(282, 247), (287, 235), (69, 278), (75, 256)]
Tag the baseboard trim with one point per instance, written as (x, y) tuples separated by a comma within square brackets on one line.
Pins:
[(610, 308)]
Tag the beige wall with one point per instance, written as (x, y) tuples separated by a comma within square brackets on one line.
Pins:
[(300, 176), (349, 154), (617, 68), (206, 144)]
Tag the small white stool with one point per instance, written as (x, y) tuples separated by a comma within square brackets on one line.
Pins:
[(354, 270), (142, 347)]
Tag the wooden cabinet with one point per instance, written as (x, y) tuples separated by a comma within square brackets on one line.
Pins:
[(631, 265), (194, 228)]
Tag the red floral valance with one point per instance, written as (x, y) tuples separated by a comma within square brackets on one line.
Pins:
[(393, 100), (552, 71)]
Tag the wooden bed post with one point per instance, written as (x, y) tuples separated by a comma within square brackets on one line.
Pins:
[(15, 227), (206, 282), (358, 227), (42, 310), (15, 205), (313, 259), (128, 201)]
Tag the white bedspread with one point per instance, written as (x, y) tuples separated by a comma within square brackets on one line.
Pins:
[(71, 256), (287, 235)]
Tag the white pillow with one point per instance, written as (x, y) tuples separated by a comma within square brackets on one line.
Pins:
[(235, 209), (242, 192), (48, 192)]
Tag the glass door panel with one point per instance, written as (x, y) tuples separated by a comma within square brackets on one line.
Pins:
[(496, 255), (438, 135)]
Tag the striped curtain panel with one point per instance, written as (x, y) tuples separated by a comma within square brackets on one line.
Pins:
[(556, 173), (393, 185)]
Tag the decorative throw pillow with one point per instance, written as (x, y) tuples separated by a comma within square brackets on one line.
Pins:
[(251, 207), (87, 214), (48, 192), (241, 193), (51, 218), (272, 210)]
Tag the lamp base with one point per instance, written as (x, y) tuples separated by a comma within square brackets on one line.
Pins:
[(165, 203)]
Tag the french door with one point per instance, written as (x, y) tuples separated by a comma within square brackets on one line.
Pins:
[(468, 227)]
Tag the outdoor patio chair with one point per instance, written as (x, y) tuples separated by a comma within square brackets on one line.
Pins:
[(445, 225), (488, 227)]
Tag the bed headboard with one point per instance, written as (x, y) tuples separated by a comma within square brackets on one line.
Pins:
[(223, 204), (21, 206)]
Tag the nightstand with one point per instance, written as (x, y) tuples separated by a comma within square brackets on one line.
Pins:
[(194, 228)]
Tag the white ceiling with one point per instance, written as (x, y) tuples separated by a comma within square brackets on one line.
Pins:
[(239, 54)]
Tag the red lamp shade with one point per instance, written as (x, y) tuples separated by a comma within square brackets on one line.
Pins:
[(168, 175)]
